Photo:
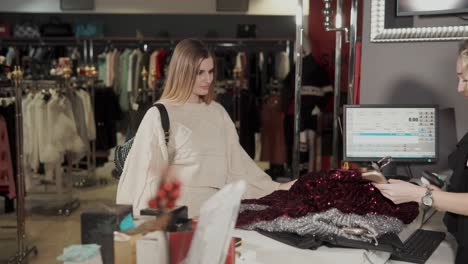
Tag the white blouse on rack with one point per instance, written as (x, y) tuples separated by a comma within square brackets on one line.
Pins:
[(204, 150), (50, 128)]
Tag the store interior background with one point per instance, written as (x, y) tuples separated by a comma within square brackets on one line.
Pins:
[(391, 73)]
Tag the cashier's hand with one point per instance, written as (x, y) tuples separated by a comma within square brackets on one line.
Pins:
[(286, 186), (401, 192), (433, 188)]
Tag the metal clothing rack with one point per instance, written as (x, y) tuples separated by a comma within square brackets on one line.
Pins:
[(88, 79), (171, 42), (65, 203), (22, 250)]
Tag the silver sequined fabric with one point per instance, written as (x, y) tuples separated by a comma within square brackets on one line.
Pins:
[(330, 223), (252, 207)]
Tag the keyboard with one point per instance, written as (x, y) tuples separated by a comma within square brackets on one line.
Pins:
[(419, 246)]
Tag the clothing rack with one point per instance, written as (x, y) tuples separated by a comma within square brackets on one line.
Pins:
[(22, 250), (92, 46), (66, 204), (66, 42), (217, 44), (47, 41)]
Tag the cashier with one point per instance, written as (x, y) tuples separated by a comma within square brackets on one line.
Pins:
[(455, 200)]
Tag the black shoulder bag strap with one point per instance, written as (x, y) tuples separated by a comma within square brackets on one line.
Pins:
[(164, 120)]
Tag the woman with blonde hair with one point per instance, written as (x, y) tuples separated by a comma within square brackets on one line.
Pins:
[(203, 147)]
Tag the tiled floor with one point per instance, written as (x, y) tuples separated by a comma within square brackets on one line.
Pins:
[(50, 234)]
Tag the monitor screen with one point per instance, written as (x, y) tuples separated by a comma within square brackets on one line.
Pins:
[(431, 7), (406, 133)]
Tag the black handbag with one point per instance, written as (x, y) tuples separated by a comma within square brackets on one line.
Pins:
[(56, 28), (121, 152)]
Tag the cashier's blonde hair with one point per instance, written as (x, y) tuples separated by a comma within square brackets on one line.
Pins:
[(183, 70), (463, 53)]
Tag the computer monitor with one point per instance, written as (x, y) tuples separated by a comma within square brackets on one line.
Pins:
[(407, 133)]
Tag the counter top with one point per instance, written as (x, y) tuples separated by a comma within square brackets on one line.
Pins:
[(262, 249)]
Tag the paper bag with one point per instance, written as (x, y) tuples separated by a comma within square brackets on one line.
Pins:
[(125, 248)]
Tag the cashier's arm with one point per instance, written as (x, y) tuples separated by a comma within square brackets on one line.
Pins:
[(403, 192), (451, 202)]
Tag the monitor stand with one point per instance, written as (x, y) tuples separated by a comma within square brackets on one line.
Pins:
[(390, 171)]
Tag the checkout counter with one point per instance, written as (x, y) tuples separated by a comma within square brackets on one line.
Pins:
[(257, 248)]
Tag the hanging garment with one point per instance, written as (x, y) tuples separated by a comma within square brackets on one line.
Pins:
[(144, 62), (36, 126), (107, 112), (249, 121), (160, 64), (88, 114), (133, 77), (53, 150), (7, 178), (10, 56), (152, 69), (124, 100), (272, 131), (102, 67), (240, 70), (137, 75), (281, 65), (79, 115), (315, 92), (65, 132), (27, 132), (63, 136), (112, 64), (41, 128), (8, 113), (117, 72), (357, 74), (319, 192)]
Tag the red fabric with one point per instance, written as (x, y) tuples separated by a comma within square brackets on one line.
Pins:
[(357, 74), (322, 42), (318, 192), (180, 243), (5, 29), (6, 168), (160, 62), (326, 162)]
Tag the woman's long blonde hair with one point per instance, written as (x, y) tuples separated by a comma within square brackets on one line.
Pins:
[(183, 70)]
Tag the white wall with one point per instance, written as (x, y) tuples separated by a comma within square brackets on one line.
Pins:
[(256, 7)]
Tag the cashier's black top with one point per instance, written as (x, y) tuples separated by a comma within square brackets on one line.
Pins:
[(456, 224)]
